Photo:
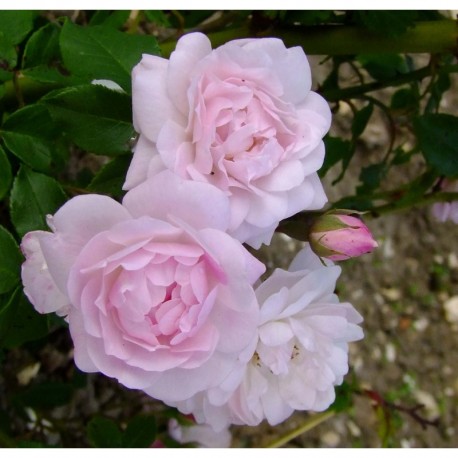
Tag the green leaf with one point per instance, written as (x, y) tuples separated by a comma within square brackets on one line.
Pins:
[(140, 432), (401, 156), (43, 46), (28, 134), (389, 23), (336, 150), (46, 395), (190, 18), (101, 52), (441, 85), (5, 174), (19, 322), (158, 17), (437, 136), (115, 19), (360, 120), (357, 203), (405, 100), (54, 75), (42, 59), (343, 399), (371, 176), (8, 57), (111, 177), (383, 66), (10, 261), (104, 433), (97, 119), (16, 24), (34, 196)]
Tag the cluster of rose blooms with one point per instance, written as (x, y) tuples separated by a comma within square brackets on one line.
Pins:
[(159, 291)]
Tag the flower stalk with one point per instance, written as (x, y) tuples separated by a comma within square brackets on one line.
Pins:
[(311, 423)]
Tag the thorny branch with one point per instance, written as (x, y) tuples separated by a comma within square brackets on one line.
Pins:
[(412, 411)]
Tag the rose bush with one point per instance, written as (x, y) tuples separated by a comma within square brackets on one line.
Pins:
[(158, 296), (299, 354), (241, 117)]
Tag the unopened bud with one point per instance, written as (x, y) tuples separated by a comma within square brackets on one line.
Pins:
[(340, 236)]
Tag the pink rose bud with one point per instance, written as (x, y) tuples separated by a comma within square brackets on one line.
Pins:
[(338, 237)]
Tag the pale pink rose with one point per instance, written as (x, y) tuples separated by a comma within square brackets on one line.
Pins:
[(241, 117), (300, 352), (161, 297), (39, 286), (339, 237), (201, 435), (444, 211)]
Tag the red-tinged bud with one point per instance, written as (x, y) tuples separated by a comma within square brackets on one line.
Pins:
[(340, 236)]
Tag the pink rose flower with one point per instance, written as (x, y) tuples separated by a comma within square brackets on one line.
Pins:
[(39, 285), (241, 117), (339, 237), (160, 296), (202, 435), (447, 211), (299, 354)]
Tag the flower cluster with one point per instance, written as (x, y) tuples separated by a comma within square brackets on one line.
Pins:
[(159, 291)]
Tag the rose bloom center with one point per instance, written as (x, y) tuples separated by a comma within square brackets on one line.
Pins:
[(248, 129), (154, 294)]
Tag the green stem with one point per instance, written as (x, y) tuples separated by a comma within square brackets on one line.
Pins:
[(331, 40), (430, 37), (29, 90), (334, 95), (311, 423), (427, 199), (424, 37)]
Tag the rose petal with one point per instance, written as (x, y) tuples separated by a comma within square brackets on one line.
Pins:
[(151, 106), (199, 204)]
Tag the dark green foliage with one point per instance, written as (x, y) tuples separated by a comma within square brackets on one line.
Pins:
[(95, 118), (28, 134), (16, 25), (45, 395), (104, 433), (383, 66), (10, 261), (101, 52), (140, 432), (5, 173), (111, 177), (391, 23), (34, 196), (19, 322), (438, 139)]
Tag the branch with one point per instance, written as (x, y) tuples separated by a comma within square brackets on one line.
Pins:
[(411, 411), (332, 40), (427, 199)]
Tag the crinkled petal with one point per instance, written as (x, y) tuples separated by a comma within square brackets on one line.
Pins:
[(201, 205)]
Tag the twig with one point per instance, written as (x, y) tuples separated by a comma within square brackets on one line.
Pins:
[(411, 411)]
